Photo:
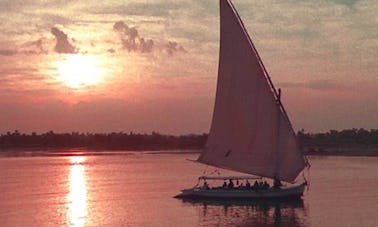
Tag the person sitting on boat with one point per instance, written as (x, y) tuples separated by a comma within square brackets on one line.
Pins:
[(277, 184), (260, 185), (205, 185), (230, 184), (247, 185), (265, 185), (255, 185), (224, 184)]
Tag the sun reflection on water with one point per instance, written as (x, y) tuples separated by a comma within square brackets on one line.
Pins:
[(77, 196)]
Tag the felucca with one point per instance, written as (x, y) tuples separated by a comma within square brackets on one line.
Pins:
[(250, 131)]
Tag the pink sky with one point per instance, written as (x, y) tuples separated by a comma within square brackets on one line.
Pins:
[(101, 67)]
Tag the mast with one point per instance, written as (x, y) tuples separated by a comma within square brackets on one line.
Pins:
[(277, 166)]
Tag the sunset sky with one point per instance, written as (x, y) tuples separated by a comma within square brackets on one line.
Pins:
[(151, 65)]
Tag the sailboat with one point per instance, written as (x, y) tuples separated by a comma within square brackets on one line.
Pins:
[(250, 130)]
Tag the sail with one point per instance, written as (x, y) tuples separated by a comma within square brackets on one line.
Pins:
[(250, 131)]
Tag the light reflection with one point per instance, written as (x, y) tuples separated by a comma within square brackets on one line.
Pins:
[(77, 196), (251, 213)]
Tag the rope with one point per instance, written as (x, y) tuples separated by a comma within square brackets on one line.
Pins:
[(204, 172), (307, 181)]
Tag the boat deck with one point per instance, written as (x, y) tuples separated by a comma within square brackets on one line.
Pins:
[(295, 191)]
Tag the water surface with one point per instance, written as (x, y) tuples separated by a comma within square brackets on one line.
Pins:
[(137, 189)]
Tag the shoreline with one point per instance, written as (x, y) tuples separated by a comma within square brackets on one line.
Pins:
[(86, 152), (64, 152)]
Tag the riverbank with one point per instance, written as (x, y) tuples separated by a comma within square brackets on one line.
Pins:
[(84, 152), (342, 151), (35, 152)]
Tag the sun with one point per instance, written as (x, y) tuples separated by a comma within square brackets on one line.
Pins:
[(77, 71)]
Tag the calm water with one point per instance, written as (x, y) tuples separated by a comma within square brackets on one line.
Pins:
[(137, 190)]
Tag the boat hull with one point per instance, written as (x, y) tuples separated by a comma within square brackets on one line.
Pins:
[(290, 192)]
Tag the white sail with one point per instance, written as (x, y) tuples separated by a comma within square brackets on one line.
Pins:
[(250, 131)]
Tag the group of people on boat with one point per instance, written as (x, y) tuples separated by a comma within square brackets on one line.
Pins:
[(258, 185)]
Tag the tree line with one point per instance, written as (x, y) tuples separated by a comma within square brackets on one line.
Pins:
[(346, 138), (112, 141), (334, 137)]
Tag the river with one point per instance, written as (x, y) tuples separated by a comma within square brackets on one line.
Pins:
[(137, 189)]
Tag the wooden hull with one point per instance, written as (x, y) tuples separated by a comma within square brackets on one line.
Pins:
[(290, 192)]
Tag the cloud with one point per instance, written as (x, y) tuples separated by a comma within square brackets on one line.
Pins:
[(349, 3), (144, 9), (146, 46), (52, 19), (313, 84), (173, 47), (37, 45), (15, 80), (34, 47), (128, 35), (63, 45), (111, 50), (23, 82), (11, 71), (28, 48), (7, 52), (131, 40), (17, 92)]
